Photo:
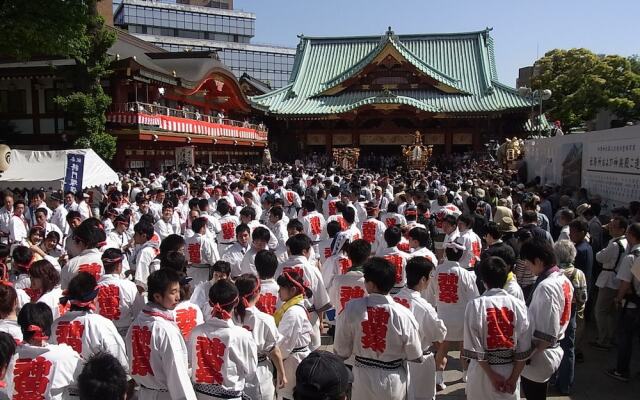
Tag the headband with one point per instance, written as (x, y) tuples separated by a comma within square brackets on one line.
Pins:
[(218, 310), (255, 291), (301, 287), (112, 260), (86, 301), (38, 333), (26, 266)]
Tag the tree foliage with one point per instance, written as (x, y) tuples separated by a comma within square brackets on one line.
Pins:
[(72, 29), (584, 83)]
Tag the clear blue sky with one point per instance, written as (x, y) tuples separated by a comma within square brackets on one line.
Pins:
[(521, 29)]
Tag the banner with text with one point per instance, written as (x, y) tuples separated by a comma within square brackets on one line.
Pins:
[(74, 173)]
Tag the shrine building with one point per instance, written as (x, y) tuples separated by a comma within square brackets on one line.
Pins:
[(374, 92)]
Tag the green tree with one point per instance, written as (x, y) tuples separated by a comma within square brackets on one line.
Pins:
[(73, 29), (584, 83)]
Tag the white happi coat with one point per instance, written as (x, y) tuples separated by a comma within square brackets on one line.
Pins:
[(187, 316), (295, 338), (59, 218), (164, 229), (398, 259), (496, 330), (17, 229), (43, 372), (12, 328), (158, 358), (273, 241), (119, 301), (89, 260), (52, 299), (280, 231), (329, 206), (324, 250), (265, 335), (88, 334), (202, 253), (268, 296), (200, 297), (333, 266), (320, 298), (513, 288), (248, 264), (144, 266), (378, 329), (426, 253), (223, 357), (314, 225), (234, 255), (373, 232), (227, 235), (345, 288), (454, 288), (472, 249), (432, 329), (549, 315), (392, 219)]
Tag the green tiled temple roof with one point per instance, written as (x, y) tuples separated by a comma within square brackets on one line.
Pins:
[(461, 64)]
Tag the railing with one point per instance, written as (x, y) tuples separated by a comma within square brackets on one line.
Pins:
[(183, 121)]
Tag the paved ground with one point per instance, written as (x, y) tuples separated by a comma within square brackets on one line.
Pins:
[(591, 383)]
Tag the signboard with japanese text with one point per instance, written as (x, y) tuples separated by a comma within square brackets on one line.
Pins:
[(74, 172), (606, 163), (613, 167), (185, 155)]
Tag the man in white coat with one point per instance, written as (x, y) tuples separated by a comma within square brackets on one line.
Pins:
[(381, 334), (497, 339)]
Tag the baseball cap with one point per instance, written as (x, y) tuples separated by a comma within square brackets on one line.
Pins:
[(322, 375)]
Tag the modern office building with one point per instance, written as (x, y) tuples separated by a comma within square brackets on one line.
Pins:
[(200, 25)]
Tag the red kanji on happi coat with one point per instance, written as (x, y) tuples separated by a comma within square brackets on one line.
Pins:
[(141, 349), (566, 310), (94, 269), (70, 333), (374, 329), (228, 230), (194, 253), (448, 288), (402, 301), (63, 308), (499, 328), (327, 252), (396, 261), (186, 320), (332, 208), (475, 248), (344, 264), (390, 222), (290, 197), (109, 302), (267, 303), (349, 293), (342, 222), (209, 355), (404, 246), (31, 378), (314, 222), (369, 231)]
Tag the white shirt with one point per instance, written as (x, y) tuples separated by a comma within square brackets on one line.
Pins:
[(472, 249), (164, 229), (314, 225), (398, 259), (56, 365), (118, 301), (615, 251), (88, 334), (59, 218), (187, 315), (227, 350), (346, 288), (157, 353), (234, 256), (89, 260)]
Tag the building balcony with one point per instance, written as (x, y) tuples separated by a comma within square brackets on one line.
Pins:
[(159, 123)]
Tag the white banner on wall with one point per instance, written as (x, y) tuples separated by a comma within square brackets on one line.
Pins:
[(606, 163)]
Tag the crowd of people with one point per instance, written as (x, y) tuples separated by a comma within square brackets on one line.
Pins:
[(224, 282)]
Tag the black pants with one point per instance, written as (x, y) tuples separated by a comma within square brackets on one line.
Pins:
[(533, 390)]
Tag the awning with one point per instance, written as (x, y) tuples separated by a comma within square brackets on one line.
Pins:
[(47, 169)]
